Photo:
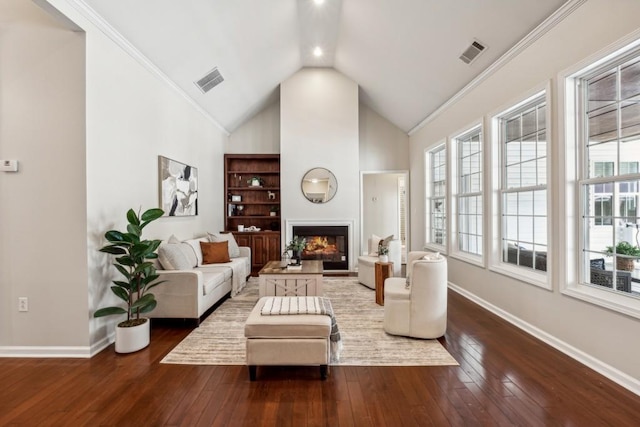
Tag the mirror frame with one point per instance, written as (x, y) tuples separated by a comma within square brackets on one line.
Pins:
[(329, 195)]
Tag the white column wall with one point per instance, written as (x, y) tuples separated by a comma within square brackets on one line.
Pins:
[(319, 128), (599, 336)]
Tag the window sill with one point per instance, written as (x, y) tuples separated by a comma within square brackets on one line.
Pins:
[(471, 259), (607, 299), (435, 248), (531, 277)]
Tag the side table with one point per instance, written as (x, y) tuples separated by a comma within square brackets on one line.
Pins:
[(383, 270)]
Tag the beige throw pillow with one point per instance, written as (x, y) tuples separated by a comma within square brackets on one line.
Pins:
[(234, 250), (176, 256)]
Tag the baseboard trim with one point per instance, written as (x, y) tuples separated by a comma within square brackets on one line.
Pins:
[(615, 375), (43, 351), (69, 352)]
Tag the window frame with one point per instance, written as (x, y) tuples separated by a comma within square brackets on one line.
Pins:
[(455, 195), (536, 96), (571, 164), (429, 186)]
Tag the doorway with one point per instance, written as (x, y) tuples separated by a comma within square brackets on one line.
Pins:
[(384, 207)]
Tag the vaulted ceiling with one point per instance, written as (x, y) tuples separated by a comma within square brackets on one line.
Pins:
[(403, 54)]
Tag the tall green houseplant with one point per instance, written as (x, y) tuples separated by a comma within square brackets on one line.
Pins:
[(132, 261)]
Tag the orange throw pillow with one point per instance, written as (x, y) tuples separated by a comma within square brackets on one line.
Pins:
[(215, 252)]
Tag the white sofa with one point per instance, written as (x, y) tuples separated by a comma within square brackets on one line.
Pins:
[(190, 288), (366, 263)]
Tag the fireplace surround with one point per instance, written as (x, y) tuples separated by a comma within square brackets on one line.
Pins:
[(329, 242)]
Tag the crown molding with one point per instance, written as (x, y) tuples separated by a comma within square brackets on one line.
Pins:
[(100, 23), (558, 16)]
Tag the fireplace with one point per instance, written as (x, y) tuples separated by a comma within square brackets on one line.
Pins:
[(330, 244)]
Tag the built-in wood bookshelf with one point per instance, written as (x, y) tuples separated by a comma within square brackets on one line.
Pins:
[(252, 205), (249, 205)]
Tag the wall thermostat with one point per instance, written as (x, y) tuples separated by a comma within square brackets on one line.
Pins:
[(9, 165)]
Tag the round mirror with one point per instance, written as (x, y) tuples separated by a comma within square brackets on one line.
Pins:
[(319, 185)]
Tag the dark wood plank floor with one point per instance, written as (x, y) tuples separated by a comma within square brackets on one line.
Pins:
[(505, 378)]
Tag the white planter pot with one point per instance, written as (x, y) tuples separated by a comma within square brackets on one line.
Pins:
[(255, 183), (383, 258), (272, 213), (134, 338)]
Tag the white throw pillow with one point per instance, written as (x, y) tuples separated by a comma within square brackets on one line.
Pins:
[(374, 241), (176, 256), (234, 250), (195, 247), (386, 240), (432, 257)]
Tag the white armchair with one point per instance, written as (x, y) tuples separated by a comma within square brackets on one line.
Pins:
[(420, 309), (366, 263)]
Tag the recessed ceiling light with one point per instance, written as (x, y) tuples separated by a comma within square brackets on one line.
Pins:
[(318, 2), (317, 51)]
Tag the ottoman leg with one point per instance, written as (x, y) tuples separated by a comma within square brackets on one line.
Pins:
[(252, 372), (323, 372)]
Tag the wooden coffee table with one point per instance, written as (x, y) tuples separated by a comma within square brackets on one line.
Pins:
[(275, 279)]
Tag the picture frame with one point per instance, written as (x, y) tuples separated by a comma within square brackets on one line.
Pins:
[(178, 187), (236, 198)]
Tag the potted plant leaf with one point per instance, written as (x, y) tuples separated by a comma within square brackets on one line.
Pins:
[(630, 252), (296, 246), (133, 255)]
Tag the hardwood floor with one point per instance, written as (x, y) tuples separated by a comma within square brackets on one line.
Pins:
[(505, 378)]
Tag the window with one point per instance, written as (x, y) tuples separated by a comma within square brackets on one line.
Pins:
[(609, 121), (469, 192), (436, 200), (603, 193), (523, 184)]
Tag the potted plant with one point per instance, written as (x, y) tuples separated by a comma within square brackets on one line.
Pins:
[(132, 261), (273, 211), (255, 181), (296, 246), (383, 253), (630, 251)]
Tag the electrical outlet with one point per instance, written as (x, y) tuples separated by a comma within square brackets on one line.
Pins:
[(23, 304)]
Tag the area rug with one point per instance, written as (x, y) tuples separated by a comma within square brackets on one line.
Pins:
[(220, 338)]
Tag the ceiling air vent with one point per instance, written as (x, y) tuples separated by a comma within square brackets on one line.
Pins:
[(472, 52), (209, 81)]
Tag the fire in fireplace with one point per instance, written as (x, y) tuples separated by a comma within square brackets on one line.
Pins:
[(326, 243)]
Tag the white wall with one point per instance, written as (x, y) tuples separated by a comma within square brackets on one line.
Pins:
[(319, 128), (383, 146), (594, 334), (132, 116), (380, 206), (42, 213), (258, 135)]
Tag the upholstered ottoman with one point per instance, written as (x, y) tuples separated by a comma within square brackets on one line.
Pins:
[(300, 339)]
